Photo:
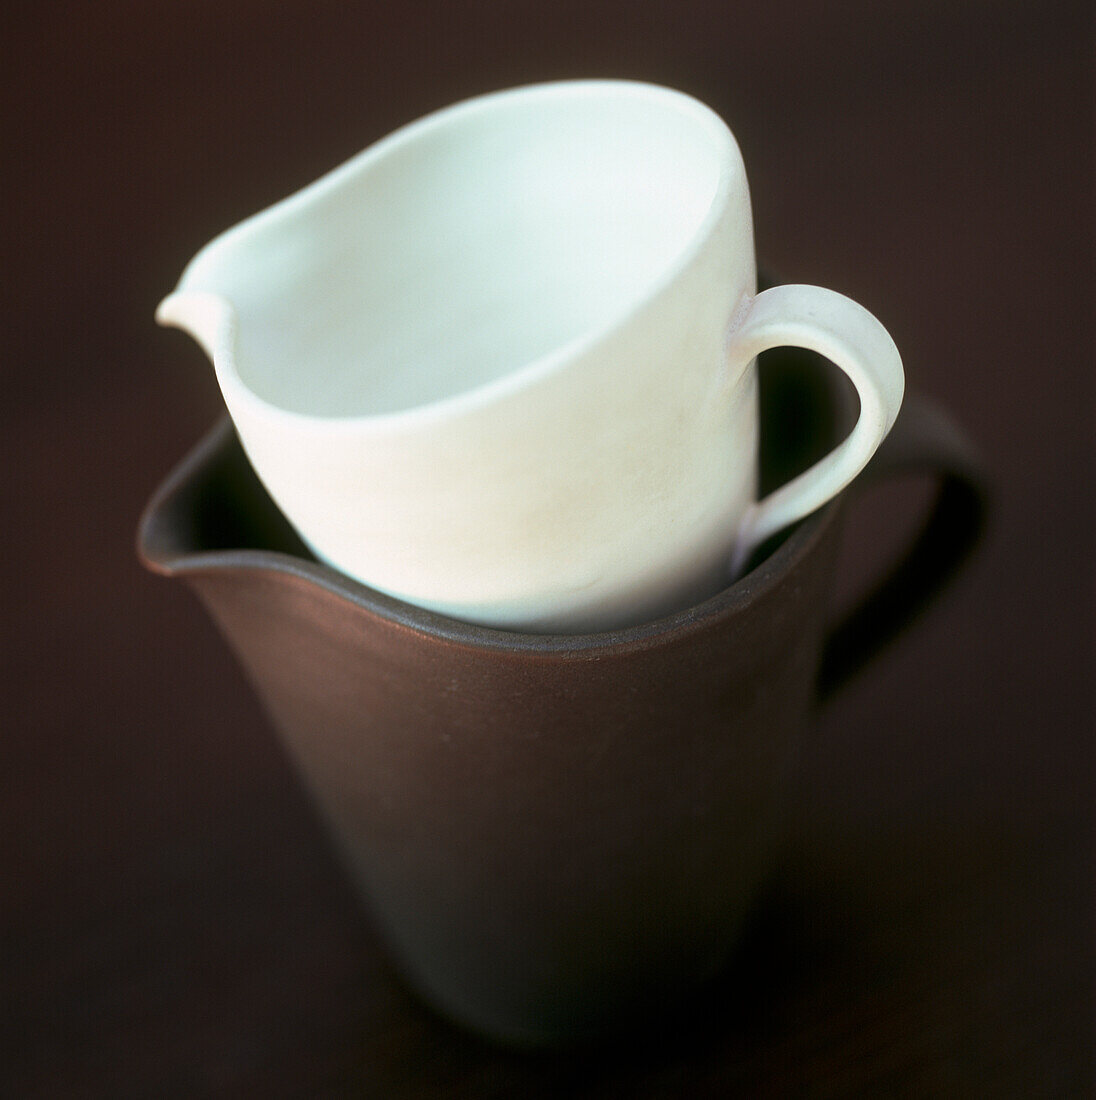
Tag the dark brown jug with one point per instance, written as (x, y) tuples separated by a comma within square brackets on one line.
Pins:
[(558, 834)]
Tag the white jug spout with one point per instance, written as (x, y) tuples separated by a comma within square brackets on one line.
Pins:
[(208, 317)]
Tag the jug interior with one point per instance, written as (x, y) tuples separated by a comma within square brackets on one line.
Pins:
[(458, 252)]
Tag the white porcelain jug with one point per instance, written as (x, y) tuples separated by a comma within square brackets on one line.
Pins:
[(501, 364)]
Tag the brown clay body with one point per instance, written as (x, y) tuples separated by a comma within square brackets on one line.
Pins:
[(554, 834)]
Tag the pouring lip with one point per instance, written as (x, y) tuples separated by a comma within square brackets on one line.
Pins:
[(162, 550)]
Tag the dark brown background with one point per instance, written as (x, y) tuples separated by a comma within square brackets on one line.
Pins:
[(172, 922)]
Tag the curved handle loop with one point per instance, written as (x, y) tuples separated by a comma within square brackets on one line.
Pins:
[(924, 442), (847, 334)]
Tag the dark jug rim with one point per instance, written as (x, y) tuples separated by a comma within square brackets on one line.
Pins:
[(155, 550)]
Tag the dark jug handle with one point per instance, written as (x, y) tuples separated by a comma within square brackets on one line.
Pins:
[(923, 441)]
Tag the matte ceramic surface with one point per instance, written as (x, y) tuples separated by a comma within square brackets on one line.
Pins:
[(501, 364), (555, 834)]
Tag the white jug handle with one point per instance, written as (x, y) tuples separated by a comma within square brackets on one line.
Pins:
[(847, 334)]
